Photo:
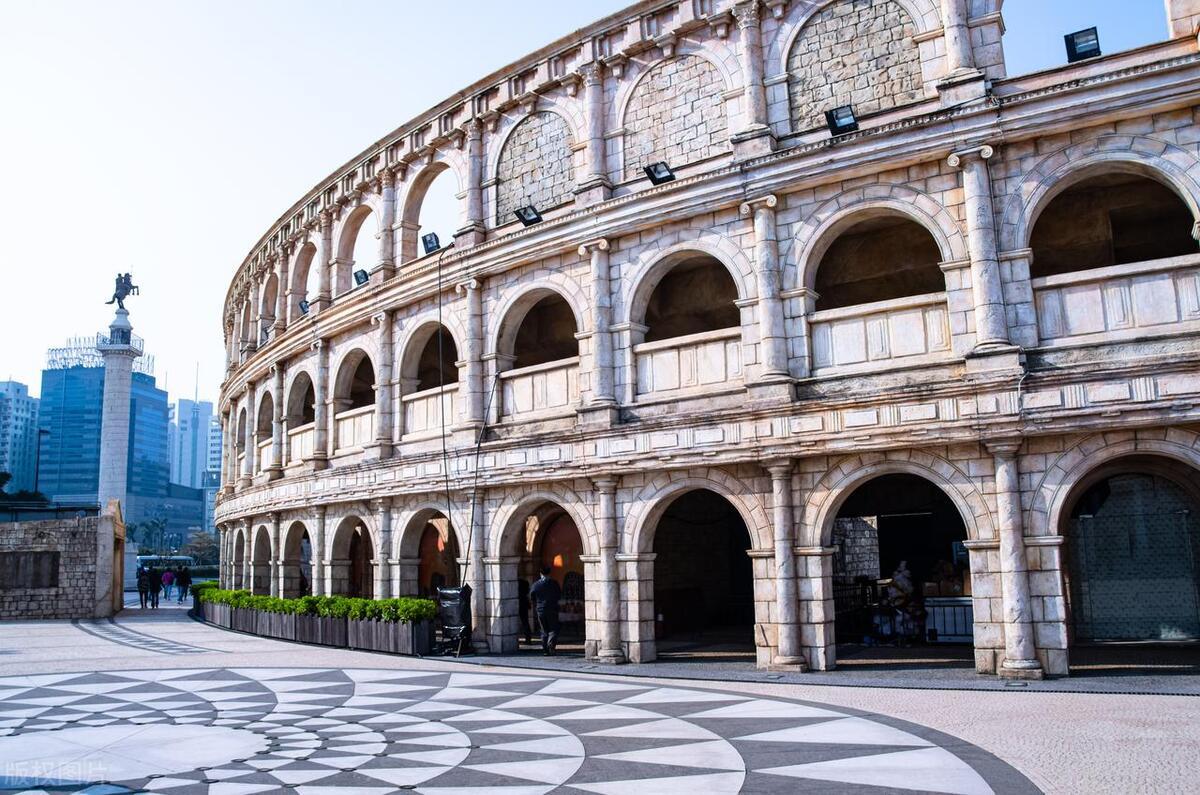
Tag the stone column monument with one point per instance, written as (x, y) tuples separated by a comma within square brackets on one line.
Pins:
[(119, 349)]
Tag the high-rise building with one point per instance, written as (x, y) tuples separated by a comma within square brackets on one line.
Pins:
[(190, 440), (18, 435)]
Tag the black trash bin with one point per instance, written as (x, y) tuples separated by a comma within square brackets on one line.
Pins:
[(454, 614)]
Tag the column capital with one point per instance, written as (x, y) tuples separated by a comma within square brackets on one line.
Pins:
[(592, 73), (1004, 447), (379, 504), (746, 14), (605, 484), (588, 246), (468, 285), (381, 318), (387, 179), (983, 152), (318, 345), (325, 218), (766, 202), (780, 467), (274, 517)]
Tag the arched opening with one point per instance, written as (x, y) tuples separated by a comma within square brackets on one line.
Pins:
[(703, 580), (266, 312), (297, 562), (538, 355), (241, 440), (546, 333), (1110, 219), (431, 205), (1132, 567), (548, 536), (438, 555), (429, 380), (260, 568), (247, 338), (239, 560), (305, 280), (881, 258), (357, 248), (695, 296), (352, 562), (300, 418), (901, 576), (264, 430), (354, 402)]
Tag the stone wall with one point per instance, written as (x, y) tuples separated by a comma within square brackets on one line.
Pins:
[(75, 595), (858, 52), (676, 114), (535, 166)]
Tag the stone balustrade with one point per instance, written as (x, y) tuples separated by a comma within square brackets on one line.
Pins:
[(880, 334), (430, 411), (540, 389), (696, 363), (354, 428)]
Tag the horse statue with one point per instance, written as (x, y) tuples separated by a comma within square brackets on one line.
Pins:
[(124, 288)]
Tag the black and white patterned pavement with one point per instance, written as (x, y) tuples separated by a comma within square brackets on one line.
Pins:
[(238, 731)]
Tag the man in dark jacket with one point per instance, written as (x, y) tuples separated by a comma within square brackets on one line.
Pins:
[(183, 579), (545, 594), (143, 585)]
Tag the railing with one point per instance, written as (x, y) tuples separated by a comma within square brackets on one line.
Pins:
[(265, 449), (1120, 300), (429, 410), (695, 361), (300, 443), (541, 388), (869, 336), (354, 428)]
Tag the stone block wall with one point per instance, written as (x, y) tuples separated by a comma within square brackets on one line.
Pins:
[(676, 114), (535, 166), (75, 596), (1183, 17)]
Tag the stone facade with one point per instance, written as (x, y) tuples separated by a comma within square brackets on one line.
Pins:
[(535, 165), (842, 52), (1013, 393)]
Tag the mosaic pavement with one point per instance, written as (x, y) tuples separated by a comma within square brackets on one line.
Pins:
[(250, 730)]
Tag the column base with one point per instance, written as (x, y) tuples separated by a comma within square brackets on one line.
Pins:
[(599, 415), (1021, 669), (962, 86), (319, 462), (611, 657), (992, 356), (470, 235), (380, 449), (773, 388), (273, 473), (245, 481), (592, 190), (794, 664), (752, 142)]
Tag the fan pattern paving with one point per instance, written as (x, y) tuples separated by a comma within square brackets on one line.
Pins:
[(254, 730)]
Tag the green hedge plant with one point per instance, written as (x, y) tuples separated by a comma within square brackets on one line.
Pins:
[(406, 609)]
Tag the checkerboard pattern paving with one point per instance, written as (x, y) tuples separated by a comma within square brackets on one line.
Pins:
[(251, 730)]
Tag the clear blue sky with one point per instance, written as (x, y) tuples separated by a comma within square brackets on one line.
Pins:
[(164, 137)]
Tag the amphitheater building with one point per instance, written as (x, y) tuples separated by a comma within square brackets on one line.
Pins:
[(931, 379)]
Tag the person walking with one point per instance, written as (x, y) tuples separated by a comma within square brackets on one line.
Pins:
[(523, 608), (155, 583), (168, 579), (143, 585), (183, 581), (545, 595)]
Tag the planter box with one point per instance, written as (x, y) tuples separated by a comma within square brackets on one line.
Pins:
[(392, 637), (275, 625), (320, 630), (198, 608)]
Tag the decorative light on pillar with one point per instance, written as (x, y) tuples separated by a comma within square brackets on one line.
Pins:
[(430, 242), (528, 215), (1082, 44), (304, 307), (841, 120), (361, 277), (659, 173)]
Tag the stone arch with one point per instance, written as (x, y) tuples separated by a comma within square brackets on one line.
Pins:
[(261, 553), (344, 387), (295, 411), (296, 579), (660, 95), (247, 336), (847, 474), (353, 558), (264, 417), (243, 428), (412, 524), (516, 305), (926, 15), (535, 165), (810, 60), (653, 499), (306, 257), (820, 229), (267, 302), (1165, 163), (346, 234), (510, 517), (418, 334), (647, 271), (415, 187), (1051, 494)]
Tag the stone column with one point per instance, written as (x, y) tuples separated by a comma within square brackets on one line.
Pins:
[(119, 349), (756, 137), (387, 238), (281, 294), (472, 402), (384, 385), (959, 55), (611, 650), (595, 186), (324, 263), (257, 314), (274, 467), (222, 559), (228, 453), (248, 555), (476, 576), (248, 462), (318, 552), (991, 327), (383, 579), (320, 455), (773, 360), (276, 562), (473, 233), (603, 389), (1020, 653), (786, 601)]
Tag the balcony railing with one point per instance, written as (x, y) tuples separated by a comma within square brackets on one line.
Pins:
[(877, 335), (1119, 301), (354, 428), (547, 388), (300, 443), (266, 449), (429, 410), (696, 362)]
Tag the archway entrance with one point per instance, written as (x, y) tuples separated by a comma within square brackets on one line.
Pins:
[(438, 557), (549, 537), (901, 577), (1132, 568), (297, 562), (703, 580), (352, 563), (260, 568), (239, 560)]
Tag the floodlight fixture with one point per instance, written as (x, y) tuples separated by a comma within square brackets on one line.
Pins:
[(841, 120), (659, 173), (1082, 44), (528, 215), (304, 307), (361, 277), (430, 242)]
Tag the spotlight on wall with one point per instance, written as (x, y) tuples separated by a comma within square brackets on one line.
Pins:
[(430, 242), (658, 173), (361, 277), (304, 307), (841, 120), (1082, 44), (528, 215)]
